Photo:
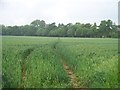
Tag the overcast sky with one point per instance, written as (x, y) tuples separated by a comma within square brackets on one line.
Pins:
[(21, 12)]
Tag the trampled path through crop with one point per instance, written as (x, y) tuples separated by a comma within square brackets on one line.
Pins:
[(25, 54), (73, 80), (62, 63)]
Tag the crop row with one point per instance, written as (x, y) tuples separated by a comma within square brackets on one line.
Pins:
[(35, 62), (94, 63), (41, 66)]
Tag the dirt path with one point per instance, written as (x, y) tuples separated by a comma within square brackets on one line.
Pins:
[(73, 79), (23, 76), (73, 82), (26, 54)]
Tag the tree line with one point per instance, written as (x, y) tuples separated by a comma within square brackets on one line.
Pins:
[(39, 28)]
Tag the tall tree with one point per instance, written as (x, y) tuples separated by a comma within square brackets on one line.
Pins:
[(38, 23)]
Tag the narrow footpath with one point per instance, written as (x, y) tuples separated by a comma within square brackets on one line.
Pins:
[(73, 79)]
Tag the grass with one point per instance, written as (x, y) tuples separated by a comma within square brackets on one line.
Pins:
[(42, 66), (94, 61)]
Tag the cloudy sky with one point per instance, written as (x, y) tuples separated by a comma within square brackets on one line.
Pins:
[(21, 12)]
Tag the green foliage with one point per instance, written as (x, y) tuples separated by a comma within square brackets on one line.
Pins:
[(10, 68), (44, 69), (93, 61), (40, 63), (39, 28), (38, 23)]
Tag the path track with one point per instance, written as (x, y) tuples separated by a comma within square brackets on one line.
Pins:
[(73, 79), (23, 76), (26, 54), (73, 82)]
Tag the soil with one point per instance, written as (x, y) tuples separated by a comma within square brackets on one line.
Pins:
[(73, 80)]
